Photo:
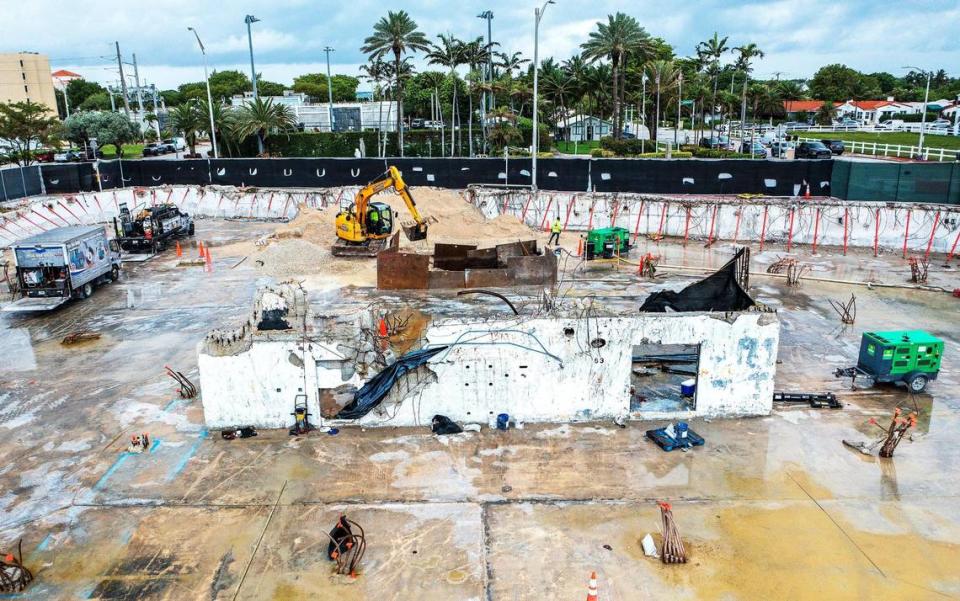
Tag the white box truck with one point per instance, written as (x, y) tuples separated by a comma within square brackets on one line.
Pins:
[(60, 264)]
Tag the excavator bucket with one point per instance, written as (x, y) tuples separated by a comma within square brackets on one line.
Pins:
[(414, 231)]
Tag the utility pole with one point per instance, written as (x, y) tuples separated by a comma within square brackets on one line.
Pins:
[(676, 130), (328, 50), (206, 77), (535, 134), (486, 102), (136, 78), (123, 82), (113, 104)]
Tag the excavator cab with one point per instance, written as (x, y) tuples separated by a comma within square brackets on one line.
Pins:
[(364, 227)]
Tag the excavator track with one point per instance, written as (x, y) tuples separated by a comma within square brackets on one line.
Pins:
[(370, 248)]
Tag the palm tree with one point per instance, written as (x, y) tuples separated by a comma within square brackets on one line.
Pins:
[(262, 118), (825, 113), (225, 122), (558, 85), (511, 62), (503, 131), (435, 79), (746, 54), (397, 34), (475, 54), (789, 90), (375, 71), (186, 119), (714, 48), (620, 36), (664, 75), (449, 53)]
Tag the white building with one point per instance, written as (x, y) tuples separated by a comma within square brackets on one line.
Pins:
[(551, 368), (582, 128), (871, 112), (347, 116)]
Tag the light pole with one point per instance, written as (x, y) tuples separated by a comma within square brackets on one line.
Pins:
[(923, 115), (535, 134), (676, 130), (643, 112), (328, 50), (250, 20), (206, 77)]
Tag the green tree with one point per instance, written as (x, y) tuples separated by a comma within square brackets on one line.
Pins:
[(78, 90), (26, 126), (839, 82), (745, 56), (619, 37), (449, 53), (187, 119), (886, 82), (261, 118), (713, 50), (225, 122), (106, 127), (825, 114), (663, 74), (504, 130), (223, 86), (314, 85), (269, 88), (171, 98), (94, 102), (396, 34)]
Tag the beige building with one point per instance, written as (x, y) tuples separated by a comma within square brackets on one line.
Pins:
[(26, 76)]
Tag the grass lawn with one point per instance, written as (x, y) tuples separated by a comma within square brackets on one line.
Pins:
[(576, 147), (130, 151), (905, 138)]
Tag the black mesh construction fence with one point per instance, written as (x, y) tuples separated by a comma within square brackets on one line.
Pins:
[(936, 183), (19, 182), (867, 181)]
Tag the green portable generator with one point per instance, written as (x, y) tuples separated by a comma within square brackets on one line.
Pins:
[(607, 243), (908, 356)]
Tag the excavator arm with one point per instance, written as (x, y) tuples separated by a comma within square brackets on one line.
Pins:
[(391, 179)]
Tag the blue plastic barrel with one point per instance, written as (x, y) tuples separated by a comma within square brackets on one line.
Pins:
[(503, 421), (688, 387), (681, 430)]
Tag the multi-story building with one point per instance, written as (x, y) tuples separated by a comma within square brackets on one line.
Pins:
[(26, 76), (347, 116)]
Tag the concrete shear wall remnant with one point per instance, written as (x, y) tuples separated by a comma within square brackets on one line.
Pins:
[(818, 221), (551, 368), (466, 266)]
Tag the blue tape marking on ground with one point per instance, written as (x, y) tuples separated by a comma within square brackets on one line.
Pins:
[(43, 544), (186, 457), (116, 464), (170, 405), (156, 443)]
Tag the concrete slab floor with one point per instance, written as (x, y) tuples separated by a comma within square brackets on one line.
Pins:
[(772, 507)]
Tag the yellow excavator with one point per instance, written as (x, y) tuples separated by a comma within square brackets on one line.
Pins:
[(364, 227)]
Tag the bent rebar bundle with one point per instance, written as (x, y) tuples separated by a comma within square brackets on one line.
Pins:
[(14, 576), (672, 550), (346, 546), (187, 389)]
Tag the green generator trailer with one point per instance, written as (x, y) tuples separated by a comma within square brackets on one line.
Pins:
[(607, 243), (908, 356)]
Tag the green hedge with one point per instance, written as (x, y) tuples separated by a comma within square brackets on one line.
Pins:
[(417, 143)]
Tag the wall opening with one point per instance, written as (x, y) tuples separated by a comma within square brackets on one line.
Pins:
[(663, 377)]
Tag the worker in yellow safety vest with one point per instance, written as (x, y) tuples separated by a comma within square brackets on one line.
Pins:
[(555, 230)]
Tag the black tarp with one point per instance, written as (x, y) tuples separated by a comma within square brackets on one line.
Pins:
[(19, 182), (372, 393), (719, 291), (68, 178)]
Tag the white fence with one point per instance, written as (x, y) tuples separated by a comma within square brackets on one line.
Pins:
[(896, 150), (873, 129)]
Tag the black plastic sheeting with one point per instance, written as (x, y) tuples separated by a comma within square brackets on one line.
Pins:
[(711, 176), (19, 182), (654, 176), (69, 178), (719, 291), (372, 393)]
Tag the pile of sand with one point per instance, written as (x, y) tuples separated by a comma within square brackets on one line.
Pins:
[(302, 247)]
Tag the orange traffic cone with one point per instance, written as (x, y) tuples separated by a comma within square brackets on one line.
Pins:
[(179, 250), (383, 327), (201, 249), (592, 587), (580, 247), (807, 193)]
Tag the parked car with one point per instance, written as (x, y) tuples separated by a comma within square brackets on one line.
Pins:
[(812, 150), (891, 124), (416, 123), (756, 149), (846, 124), (715, 142), (779, 148), (835, 146), (168, 148), (940, 124), (154, 150), (178, 144), (628, 136), (68, 156), (44, 156)]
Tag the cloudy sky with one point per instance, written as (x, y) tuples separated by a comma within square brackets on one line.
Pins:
[(797, 36)]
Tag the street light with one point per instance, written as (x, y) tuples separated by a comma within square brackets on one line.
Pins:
[(250, 20), (206, 77), (923, 115), (537, 15), (328, 50), (488, 72)]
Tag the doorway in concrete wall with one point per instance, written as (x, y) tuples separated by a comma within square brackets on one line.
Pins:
[(663, 377)]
